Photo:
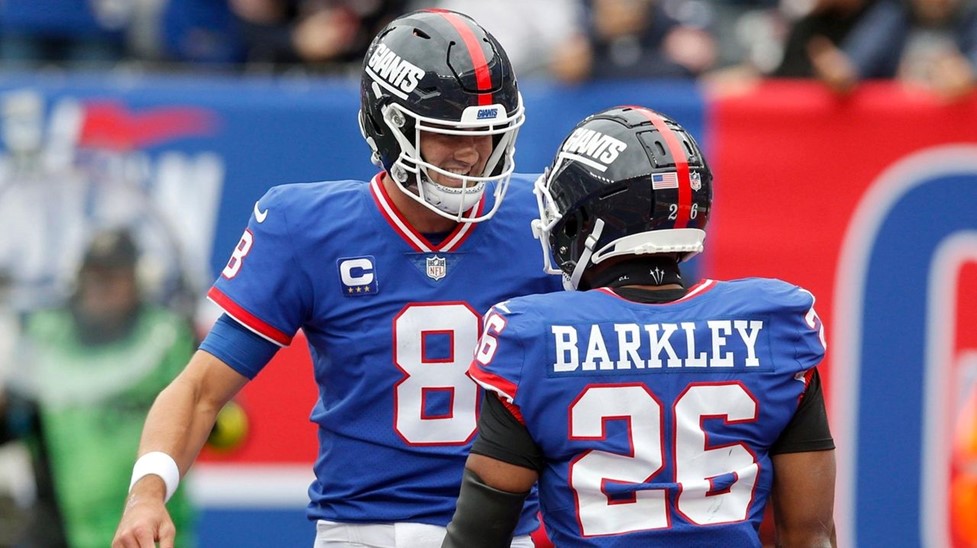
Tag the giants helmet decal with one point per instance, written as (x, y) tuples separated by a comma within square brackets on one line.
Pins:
[(438, 71), (626, 181)]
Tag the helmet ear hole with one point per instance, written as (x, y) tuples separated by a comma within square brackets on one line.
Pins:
[(575, 223), (570, 228)]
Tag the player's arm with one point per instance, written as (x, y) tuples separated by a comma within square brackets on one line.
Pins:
[(179, 423), (499, 473), (803, 499), (183, 415), (804, 475)]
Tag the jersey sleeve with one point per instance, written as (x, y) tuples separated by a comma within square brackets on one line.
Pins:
[(502, 436), (498, 362), (808, 429), (797, 328), (811, 344), (263, 286)]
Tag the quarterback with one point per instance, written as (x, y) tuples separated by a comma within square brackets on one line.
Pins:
[(388, 280)]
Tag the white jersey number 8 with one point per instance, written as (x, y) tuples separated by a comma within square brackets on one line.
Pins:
[(430, 376)]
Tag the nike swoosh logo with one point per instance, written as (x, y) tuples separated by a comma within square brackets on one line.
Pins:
[(258, 214)]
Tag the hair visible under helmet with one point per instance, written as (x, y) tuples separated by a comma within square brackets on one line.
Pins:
[(438, 71), (626, 181)]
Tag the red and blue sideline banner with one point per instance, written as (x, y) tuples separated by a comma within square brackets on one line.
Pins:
[(869, 201)]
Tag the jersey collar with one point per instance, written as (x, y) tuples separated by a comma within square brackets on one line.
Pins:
[(409, 234), (697, 289)]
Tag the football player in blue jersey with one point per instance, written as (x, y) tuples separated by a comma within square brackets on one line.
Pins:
[(388, 279), (651, 412)]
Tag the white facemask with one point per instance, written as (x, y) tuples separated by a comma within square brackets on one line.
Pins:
[(451, 202)]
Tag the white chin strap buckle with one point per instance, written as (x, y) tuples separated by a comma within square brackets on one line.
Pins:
[(584, 261)]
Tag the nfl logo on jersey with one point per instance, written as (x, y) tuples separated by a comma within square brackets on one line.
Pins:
[(437, 267)]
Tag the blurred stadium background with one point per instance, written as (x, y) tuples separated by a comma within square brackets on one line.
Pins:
[(868, 199)]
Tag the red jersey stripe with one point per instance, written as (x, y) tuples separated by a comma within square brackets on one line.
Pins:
[(248, 319), (415, 239), (491, 381)]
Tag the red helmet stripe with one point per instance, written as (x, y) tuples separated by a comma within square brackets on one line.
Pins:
[(482, 75), (681, 166)]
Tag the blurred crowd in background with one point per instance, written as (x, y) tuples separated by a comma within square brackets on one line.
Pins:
[(931, 44)]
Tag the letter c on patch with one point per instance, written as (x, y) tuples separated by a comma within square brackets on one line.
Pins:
[(356, 272)]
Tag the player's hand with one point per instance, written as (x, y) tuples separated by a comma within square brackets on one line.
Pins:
[(145, 520)]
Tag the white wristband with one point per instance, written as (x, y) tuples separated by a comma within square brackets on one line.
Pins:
[(159, 464)]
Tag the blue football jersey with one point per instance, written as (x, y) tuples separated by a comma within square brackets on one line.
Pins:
[(392, 322), (655, 420)]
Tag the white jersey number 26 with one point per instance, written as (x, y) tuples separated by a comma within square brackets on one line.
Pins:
[(695, 462)]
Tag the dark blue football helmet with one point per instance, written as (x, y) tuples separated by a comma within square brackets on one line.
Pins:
[(626, 181), (438, 71)]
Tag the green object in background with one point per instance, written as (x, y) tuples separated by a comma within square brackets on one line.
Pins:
[(92, 402)]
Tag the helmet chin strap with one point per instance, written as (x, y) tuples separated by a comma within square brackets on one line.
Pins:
[(584, 261)]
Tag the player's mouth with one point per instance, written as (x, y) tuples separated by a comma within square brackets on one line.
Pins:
[(464, 172), (460, 172)]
